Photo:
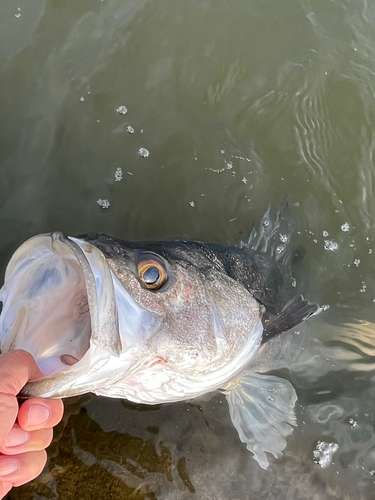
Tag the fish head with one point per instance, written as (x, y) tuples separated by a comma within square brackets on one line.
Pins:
[(199, 317), (94, 311)]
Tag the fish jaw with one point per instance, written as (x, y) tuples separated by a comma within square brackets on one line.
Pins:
[(96, 368), (44, 284)]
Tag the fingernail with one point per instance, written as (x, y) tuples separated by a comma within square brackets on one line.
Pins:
[(16, 437), (8, 466), (38, 414)]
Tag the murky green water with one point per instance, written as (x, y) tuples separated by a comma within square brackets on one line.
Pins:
[(240, 103)]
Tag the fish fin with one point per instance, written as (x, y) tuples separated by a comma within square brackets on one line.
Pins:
[(275, 234), (262, 411), (277, 261), (295, 312)]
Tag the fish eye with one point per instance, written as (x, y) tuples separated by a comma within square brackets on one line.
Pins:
[(152, 274)]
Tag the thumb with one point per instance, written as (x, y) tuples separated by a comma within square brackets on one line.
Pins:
[(16, 368)]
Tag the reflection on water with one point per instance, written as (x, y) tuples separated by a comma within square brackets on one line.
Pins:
[(238, 104)]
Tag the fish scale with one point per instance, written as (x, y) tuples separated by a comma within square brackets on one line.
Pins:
[(82, 307)]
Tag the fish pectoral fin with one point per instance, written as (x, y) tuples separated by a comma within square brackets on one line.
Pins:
[(262, 410), (295, 312)]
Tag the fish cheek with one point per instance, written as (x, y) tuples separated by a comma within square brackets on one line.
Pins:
[(186, 338)]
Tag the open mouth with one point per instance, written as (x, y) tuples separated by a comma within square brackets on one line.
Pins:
[(58, 299), (45, 304)]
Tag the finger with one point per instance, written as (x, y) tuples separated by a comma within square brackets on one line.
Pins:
[(4, 489), (8, 415), (16, 368), (20, 441), (20, 469), (39, 413)]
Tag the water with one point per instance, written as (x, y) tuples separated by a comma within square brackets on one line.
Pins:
[(239, 104)]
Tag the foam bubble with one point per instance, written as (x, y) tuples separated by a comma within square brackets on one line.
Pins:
[(324, 452), (122, 110), (118, 174), (103, 203), (330, 245), (144, 153)]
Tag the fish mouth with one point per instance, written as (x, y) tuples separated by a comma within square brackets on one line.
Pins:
[(59, 304)]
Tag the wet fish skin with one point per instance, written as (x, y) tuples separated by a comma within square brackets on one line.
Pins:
[(195, 334), (198, 283)]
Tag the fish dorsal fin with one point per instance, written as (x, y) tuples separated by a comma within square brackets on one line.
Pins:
[(275, 234), (262, 411)]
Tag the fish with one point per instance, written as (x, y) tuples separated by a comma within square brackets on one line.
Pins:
[(161, 321)]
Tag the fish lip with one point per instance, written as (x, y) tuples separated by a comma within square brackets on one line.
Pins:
[(103, 311)]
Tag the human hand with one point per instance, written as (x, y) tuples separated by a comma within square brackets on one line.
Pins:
[(23, 443)]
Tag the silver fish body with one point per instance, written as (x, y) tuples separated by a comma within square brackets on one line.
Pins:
[(157, 322)]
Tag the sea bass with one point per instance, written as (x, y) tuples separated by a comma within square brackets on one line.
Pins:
[(157, 322)]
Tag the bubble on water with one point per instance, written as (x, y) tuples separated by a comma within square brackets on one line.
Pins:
[(279, 249), (364, 287), (229, 165), (345, 227), (217, 170), (192, 204), (325, 233), (283, 238), (293, 283), (356, 262), (144, 153), (325, 307), (81, 98), (118, 174), (103, 203), (18, 15), (244, 180), (330, 245), (353, 423), (222, 151), (130, 129), (122, 110), (324, 452)]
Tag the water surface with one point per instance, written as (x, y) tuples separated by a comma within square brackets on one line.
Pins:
[(240, 104)]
